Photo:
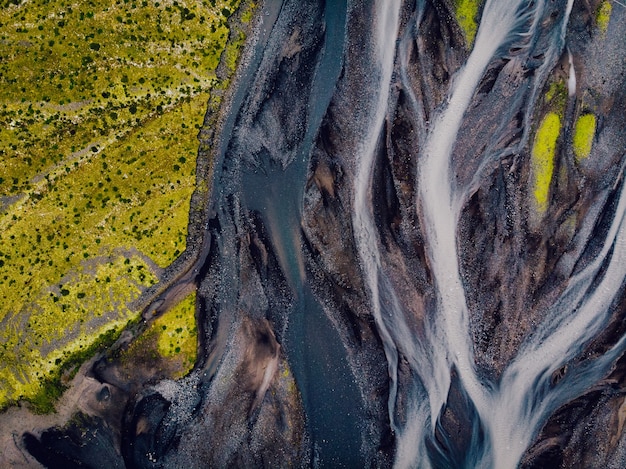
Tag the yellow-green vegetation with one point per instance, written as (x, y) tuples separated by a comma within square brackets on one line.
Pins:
[(233, 49), (466, 13), (543, 152), (555, 103), (237, 39), (64, 320), (52, 386), (168, 344), (100, 105), (176, 332), (247, 14), (584, 131), (603, 16), (556, 96)]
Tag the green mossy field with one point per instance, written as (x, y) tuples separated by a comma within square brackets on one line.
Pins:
[(100, 106)]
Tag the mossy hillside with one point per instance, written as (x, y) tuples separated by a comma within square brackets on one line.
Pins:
[(556, 96), (65, 320), (55, 383), (247, 12), (99, 106), (115, 199), (73, 73), (233, 50)]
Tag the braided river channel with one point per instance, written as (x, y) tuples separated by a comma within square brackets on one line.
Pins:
[(413, 249)]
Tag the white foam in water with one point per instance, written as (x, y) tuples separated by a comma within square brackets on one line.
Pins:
[(365, 233), (449, 343), (571, 80), (500, 18), (574, 320), (512, 411), (412, 444)]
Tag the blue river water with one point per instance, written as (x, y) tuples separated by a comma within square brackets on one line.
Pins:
[(275, 192)]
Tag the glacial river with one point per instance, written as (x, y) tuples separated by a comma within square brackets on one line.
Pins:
[(503, 415), (414, 251)]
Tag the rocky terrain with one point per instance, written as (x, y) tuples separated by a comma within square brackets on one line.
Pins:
[(412, 251)]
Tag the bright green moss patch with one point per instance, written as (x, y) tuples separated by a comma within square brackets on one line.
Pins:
[(603, 16), (466, 13), (543, 158), (584, 132), (100, 106)]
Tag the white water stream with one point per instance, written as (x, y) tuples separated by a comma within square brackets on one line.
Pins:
[(365, 231), (512, 411)]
